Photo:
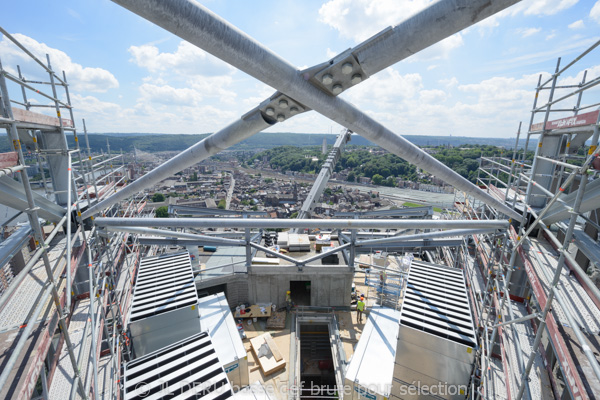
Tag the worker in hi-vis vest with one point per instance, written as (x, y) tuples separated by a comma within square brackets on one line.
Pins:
[(360, 308), (288, 300)]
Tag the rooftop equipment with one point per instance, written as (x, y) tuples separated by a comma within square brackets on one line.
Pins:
[(436, 339), (217, 320), (370, 373)]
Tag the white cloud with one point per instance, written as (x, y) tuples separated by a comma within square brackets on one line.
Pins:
[(330, 53), (386, 88), (526, 7), (361, 19), (592, 73), (169, 95), (577, 25), (526, 32), (440, 50), (187, 60), (432, 96), (79, 77), (595, 12), (152, 117), (449, 83), (550, 36), (541, 7)]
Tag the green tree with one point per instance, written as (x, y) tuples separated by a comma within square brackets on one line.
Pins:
[(294, 215), (268, 180), (158, 198), (377, 179), (351, 177), (222, 204), (162, 212)]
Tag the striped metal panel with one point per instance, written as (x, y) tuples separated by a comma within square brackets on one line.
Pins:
[(436, 302), (188, 369), (164, 283)]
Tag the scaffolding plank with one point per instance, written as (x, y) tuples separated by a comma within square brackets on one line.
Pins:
[(31, 117), (64, 376), (14, 315)]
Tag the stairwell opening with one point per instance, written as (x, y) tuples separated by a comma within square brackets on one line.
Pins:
[(317, 368)]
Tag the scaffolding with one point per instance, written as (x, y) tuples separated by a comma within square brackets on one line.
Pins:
[(534, 298), (65, 307), (67, 310)]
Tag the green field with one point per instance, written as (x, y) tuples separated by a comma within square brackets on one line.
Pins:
[(408, 204)]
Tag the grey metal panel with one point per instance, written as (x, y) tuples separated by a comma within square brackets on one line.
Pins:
[(14, 243), (13, 196), (188, 367), (164, 306)]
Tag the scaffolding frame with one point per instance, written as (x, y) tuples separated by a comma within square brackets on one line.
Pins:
[(519, 180), (104, 324)]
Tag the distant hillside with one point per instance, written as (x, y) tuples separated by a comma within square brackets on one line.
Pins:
[(263, 140)]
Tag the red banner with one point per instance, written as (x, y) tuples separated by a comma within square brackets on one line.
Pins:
[(590, 118)]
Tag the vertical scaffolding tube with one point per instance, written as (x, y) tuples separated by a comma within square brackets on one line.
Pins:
[(541, 139), (69, 209), (513, 164)]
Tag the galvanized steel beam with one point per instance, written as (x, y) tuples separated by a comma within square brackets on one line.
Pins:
[(242, 223), (201, 27)]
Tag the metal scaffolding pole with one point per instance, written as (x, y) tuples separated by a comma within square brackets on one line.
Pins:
[(561, 262), (541, 138)]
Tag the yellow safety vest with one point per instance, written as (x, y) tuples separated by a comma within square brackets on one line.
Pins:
[(360, 306)]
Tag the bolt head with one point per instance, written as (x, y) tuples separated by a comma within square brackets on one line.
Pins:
[(270, 111), (357, 78), (280, 118), (327, 79), (283, 103), (347, 68), (337, 89), (294, 110)]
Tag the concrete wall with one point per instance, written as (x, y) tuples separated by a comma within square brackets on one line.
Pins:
[(330, 285), (236, 287)]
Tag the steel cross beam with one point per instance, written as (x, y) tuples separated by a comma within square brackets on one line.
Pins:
[(118, 223), (192, 22)]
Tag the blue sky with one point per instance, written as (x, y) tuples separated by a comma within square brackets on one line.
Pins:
[(128, 75)]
